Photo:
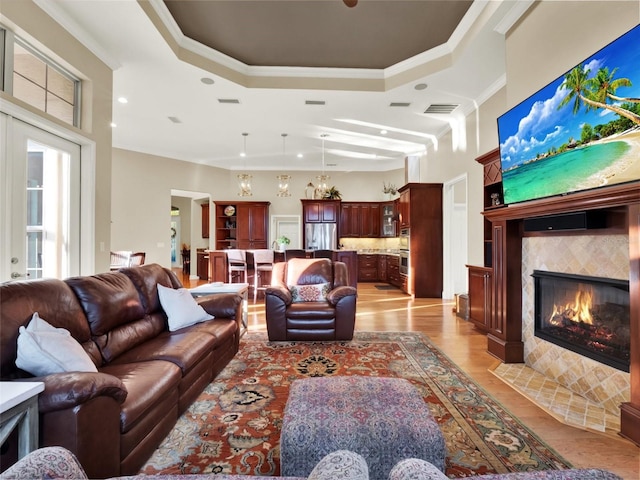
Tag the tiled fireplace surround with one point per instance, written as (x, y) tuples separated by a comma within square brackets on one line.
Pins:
[(574, 388)]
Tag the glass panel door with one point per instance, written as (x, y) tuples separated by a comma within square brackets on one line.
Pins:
[(43, 185)]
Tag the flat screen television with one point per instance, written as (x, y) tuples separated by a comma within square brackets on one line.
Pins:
[(582, 131)]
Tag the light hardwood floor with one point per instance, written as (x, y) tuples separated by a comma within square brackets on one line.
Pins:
[(390, 310)]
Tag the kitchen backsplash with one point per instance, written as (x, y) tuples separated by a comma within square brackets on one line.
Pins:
[(370, 244)]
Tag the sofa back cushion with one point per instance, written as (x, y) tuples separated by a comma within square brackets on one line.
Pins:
[(309, 271), (146, 280), (115, 312), (55, 302)]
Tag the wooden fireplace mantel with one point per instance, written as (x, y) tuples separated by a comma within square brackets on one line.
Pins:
[(621, 204)]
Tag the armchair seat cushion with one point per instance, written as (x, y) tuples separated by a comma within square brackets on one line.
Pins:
[(311, 310)]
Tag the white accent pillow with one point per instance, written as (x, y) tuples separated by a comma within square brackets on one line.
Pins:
[(180, 307), (44, 349)]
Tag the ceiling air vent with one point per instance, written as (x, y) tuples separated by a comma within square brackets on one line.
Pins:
[(399, 104), (228, 100), (315, 102), (441, 108)]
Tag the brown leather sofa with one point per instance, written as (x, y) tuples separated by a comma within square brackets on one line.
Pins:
[(147, 376), (332, 318)]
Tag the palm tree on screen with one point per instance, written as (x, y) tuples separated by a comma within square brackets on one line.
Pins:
[(580, 90)]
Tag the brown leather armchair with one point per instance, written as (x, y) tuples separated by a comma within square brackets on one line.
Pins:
[(321, 307)]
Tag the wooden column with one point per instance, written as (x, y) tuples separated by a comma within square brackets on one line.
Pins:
[(630, 411)]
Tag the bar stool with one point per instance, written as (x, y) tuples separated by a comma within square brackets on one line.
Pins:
[(262, 264), (237, 263)]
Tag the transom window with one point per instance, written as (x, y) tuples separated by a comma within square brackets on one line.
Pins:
[(37, 80)]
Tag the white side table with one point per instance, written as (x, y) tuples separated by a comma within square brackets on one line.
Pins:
[(19, 408), (239, 288)]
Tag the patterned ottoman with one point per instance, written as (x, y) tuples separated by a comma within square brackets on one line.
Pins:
[(383, 419)]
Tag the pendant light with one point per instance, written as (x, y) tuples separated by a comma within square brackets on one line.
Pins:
[(283, 180), (322, 187), (244, 179)]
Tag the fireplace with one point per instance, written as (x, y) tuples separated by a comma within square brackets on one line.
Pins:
[(587, 315)]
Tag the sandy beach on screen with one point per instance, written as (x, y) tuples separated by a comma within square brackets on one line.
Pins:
[(626, 168)]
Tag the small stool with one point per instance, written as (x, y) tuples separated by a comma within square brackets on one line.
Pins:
[(383, 419)]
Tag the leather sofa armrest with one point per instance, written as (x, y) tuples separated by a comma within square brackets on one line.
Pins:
[(338, 293), (281, 292), (66, 390), (221, 305)]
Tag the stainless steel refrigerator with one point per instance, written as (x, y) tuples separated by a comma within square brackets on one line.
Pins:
[(320, 236)]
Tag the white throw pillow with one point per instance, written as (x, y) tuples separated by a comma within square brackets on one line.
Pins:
[(44, 349), (180, 307)]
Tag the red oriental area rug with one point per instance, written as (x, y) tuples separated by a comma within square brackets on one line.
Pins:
[(234, 426)]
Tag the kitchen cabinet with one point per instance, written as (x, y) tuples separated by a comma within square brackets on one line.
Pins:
[(242, 225), (420, 211), (403, 207), (202, 264), (205, 220), (382, 268), (253, 225), (350, 258), (393, 272), (367, 267), (480, 292), (387, 219), (360, 219), (320, 211)]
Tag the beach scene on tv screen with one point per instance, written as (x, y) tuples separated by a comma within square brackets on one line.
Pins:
[(582, 131)]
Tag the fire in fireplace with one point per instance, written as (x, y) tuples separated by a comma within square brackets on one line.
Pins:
[(588, 315)]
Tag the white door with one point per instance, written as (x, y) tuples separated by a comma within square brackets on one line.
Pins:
[(41, 218)]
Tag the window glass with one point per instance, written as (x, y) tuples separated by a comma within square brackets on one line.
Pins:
[(29, 92), (29, 66), (40, 82), (60, 85)]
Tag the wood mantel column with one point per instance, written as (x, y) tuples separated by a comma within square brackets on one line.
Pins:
[(504, 338), (630, 411)]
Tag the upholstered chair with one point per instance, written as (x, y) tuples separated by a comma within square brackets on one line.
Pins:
[(310, 299)]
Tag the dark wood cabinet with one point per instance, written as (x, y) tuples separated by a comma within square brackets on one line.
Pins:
[(492, 196), (403, 208), (367, 267), (382, 268), (243, 225), (393, 272), (421, 211), (320, 211), (350, 258), (360, 219), (480, 294), (202, 264), (205, 220), (388, 219), (253, 225)]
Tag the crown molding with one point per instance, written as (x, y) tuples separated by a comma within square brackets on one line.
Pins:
[(54, 10)]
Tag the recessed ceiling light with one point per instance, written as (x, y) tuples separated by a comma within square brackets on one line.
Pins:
[(207, 80), (300, 155), (420, 86), (383, 132), (113, 125), (123, 100)]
